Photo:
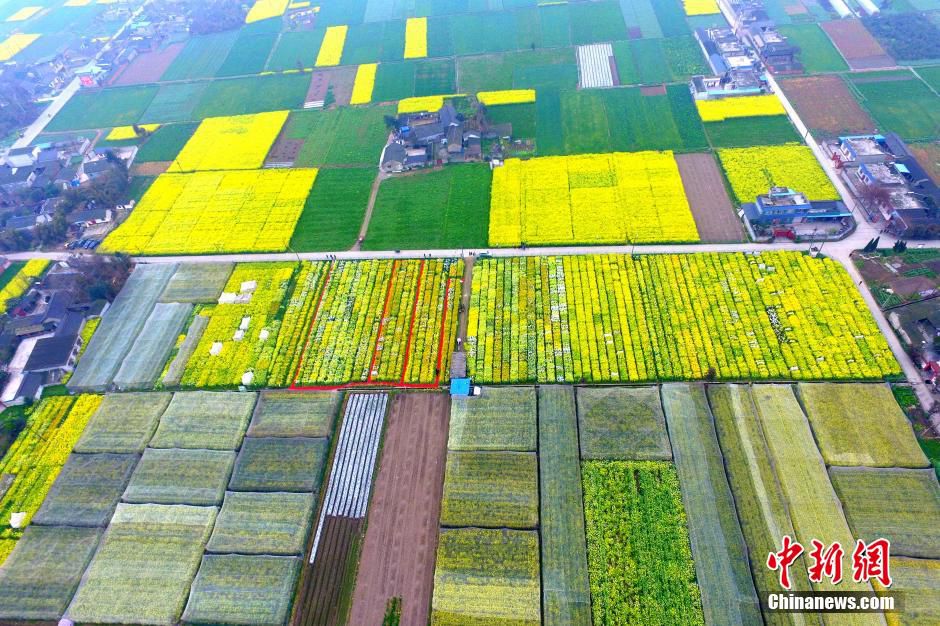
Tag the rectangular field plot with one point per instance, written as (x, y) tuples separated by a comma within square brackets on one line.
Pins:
[(87, 490), (197, 283), (257, 589), (215, 212), (280, 464), (491, 489), (566, 591), (202, 57), (382, 321), (165, 143), (486, 576), (40, 576), (594, 65), (175, 102), (743, 132), (334, 210), (174, 476), (918, 580), (761, 507), (294, 414), (146, 358), (639, 560), (263, 523), (237, 344), (728, 595), (715, 217), (593, 198), (104, 108), (827, 106), (252, 94), (622, 423), (239, 142), (503, 418), (752, 316), (518, 69), (144, 566), (752, 171), (900, 102), (123, 423), (120, 326), (205, 420), (343, 136), (817, 54), (894, 504), (859, 424), (812, 502)]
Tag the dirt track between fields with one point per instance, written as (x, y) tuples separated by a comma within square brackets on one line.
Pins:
[(401, 538), (711, 207)]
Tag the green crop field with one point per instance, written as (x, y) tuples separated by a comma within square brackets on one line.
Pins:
[(593, 22), (104, 108), (728, 595), (252, 94), (197, 283), (522, 117), (440, 209), (759, 500), (374, 41), (205, 420), (41, 575), (639, 560), (742, 132), (294, 414), (334, 210), (918, 580), (860, 424), (175, 102), (202, 57), (280, 464), (296, 50), (87, 490), (263, 523), (249, 54), (258, 589), (892, 503), (566, 591), (486, 576), (817, 54), (503, 418), (490, 489), (622, 423), (123, 423), (508, 70), (905, 104), (164, 144), (196, 477), (346, 136)]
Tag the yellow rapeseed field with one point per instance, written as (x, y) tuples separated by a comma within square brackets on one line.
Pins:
[(365, 82), (265, 9), (24, 14), (122, 133), (753, 171), (416, 38), (215, 212), (238, 142), (740, 106), (421, 104), (331, 50), (590, 198), (700, 7), (14, 44), (507, 96)]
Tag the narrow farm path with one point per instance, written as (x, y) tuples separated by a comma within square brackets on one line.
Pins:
[(465, 300), (369, 207)]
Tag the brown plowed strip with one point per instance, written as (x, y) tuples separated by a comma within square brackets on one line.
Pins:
[(857, 45), (323, 581), (826, 104), (401, 538), (711, 207), (150, 66)]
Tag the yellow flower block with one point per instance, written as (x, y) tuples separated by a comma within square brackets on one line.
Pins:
[(22, 281), (700, 7), (416, 38), (591, 198), (216, 212), (753, 171), (331, 50), (14, 44), (123, 133), (24, 14), (265, 9), (239, 142), (740, 106), (507, 96), (424, 104), (365, 83)]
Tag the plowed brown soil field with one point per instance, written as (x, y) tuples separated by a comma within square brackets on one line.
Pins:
[(825, 104)]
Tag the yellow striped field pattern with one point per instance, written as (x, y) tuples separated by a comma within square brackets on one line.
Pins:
[(331, 49), (238, 142), (416, 38), (266, 9), (621, 197), (215, 212), (364, 84), (14, 44), (739, 106)]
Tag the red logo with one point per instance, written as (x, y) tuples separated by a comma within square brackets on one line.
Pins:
[(784, 559), (872, 561), (869, 561)]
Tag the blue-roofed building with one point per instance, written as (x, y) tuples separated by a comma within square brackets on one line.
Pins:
[(784, 206), (460, 387)]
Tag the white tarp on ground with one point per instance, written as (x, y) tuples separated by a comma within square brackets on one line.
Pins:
[(594, 65)]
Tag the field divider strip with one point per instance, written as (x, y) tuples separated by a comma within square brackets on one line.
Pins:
[(382, 322), (411, 326), (313, 319), (440, 343)]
